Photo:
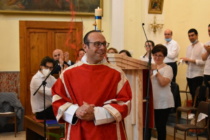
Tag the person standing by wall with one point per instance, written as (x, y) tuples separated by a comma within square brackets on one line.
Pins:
[(149, 45), (206, 57), (195, 64), (173, 52), (162, 95)]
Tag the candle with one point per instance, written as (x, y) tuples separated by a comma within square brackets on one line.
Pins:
[(98, 12), (98, 17)]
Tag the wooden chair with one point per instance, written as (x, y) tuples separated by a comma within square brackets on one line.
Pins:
[(12, 115), (201, 89), (203, 107), (6, 110), (186, 109)]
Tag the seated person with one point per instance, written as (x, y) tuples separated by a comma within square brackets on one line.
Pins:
[(37, 100), (67, 61), (125, 53), (112, 50), (80, 54)]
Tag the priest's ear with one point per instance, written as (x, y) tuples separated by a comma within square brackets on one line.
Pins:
[(85, 46)]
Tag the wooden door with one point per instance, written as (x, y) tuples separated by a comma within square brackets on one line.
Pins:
[(39, 39)]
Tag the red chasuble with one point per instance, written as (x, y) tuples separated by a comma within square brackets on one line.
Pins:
[(103, 85)]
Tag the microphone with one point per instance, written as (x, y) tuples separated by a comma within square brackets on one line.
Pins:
[(56, 62), (144, 31), (56, 68), (146, 135)]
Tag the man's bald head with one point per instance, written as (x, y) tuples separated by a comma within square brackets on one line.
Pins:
[(57, 53), (168, 35), (168, 31)]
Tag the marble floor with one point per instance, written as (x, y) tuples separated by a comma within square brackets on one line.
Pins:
[(179, 135), (11, 136), (21, 135)]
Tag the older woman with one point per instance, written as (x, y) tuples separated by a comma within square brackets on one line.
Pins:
[(163, 98)]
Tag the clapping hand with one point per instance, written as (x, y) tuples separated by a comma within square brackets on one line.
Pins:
[(66, 56), (207, 47)]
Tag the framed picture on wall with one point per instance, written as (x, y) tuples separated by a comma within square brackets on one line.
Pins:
[(155, 6), (64, 7)]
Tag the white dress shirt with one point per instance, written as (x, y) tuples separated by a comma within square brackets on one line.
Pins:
[(207, 64), (37, 102), (173, 51), (195, 52)]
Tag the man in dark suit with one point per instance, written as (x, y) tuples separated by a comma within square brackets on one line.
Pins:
[(62, 59)]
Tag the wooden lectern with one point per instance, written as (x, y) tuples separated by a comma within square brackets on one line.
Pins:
[(133, 69)]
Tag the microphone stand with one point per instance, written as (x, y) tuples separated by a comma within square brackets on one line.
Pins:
[(147, 93), (44, 83)]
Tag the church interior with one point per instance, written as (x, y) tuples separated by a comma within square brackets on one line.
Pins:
[(126, 24)]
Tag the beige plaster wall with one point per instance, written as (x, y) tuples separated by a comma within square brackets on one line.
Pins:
[(178, 15), (9, 33), (181, 16)]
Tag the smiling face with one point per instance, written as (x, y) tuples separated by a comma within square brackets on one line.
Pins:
[(81, 54), (95, 53), (158, 58), (148, 46), (159, 52)]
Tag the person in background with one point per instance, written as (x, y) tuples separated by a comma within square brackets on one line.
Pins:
[(125, 53), (206, 57), (195, 64), (57, 54), (80, 54), (67, 61), (173, 52), (149, 45), (112, 50), (162, 95), (92, 107), (37, 100), (62, 59)]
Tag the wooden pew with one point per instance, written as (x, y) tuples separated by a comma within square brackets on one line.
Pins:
[(35, 130)]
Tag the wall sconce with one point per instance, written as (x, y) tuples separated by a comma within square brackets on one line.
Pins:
[(155, 25)]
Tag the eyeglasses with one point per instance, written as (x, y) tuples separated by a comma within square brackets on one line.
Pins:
[(98, 44), (148, 46), (159, 56), (48, 67)]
